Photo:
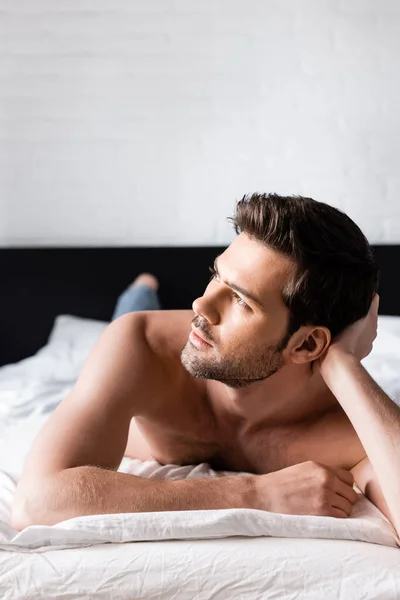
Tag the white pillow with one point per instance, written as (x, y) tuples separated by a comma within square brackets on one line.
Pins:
[(383, 363), (78, 333), (36, 385), (69, 344)]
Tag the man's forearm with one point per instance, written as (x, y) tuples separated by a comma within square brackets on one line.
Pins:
[(376, 419), (91, 490)]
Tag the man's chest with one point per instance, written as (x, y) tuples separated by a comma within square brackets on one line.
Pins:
[(190, 441)]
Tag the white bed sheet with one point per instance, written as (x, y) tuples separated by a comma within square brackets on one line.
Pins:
[(232, 567), (220, 569)]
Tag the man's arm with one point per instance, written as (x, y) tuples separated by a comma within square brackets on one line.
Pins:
[(367, 481), (71, 469), (374, 416), (376, 420), (90, 490)]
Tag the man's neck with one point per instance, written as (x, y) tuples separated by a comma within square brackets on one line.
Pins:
[(290, 396)]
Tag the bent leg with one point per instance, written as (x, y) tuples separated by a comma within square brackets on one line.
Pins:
[(138, 296)]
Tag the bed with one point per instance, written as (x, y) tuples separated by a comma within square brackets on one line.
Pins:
[(56, 302)]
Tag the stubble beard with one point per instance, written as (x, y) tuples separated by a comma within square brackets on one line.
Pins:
[(236, 372)]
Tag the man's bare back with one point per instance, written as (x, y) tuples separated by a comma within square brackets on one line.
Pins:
[(185, 428)]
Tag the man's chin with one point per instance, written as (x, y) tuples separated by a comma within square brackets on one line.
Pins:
[(191, 361), (202, 372)]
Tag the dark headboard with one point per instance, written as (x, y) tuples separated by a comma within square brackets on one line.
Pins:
[(39, 284)]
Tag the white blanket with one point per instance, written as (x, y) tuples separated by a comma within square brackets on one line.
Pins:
[(30, 389)]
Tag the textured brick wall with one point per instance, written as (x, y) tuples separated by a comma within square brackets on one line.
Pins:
[(141, 121)]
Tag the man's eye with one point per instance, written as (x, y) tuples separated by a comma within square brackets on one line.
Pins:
[(214, 273), (240, 301)]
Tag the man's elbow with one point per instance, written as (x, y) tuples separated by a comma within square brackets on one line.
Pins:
[(31, 508), (21, 514)]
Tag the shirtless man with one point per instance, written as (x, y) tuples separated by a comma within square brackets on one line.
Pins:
[(264, 376)]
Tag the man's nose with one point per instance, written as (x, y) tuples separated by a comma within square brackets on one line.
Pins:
[(206, 309)]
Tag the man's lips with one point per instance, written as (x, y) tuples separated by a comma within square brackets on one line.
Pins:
[(201, 337)]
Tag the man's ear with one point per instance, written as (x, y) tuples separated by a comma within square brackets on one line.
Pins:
[(309, 343)]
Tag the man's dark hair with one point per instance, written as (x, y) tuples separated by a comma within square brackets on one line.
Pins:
[(335, 276)]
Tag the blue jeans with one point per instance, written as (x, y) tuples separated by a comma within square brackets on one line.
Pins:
[(137, 297)]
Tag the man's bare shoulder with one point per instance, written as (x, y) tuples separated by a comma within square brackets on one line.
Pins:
[(164, 332), (167, 331)]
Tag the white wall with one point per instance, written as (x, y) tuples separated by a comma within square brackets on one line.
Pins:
[(140, 122)]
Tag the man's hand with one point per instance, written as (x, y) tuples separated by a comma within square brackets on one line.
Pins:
[(308, 488), (356, 340)]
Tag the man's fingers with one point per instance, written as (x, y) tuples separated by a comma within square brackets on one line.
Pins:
[(343, 475), (344, 484), (342, 503), (346, 491), (336, 512)]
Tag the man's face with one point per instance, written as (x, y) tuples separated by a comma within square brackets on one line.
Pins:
[(242, 315)]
